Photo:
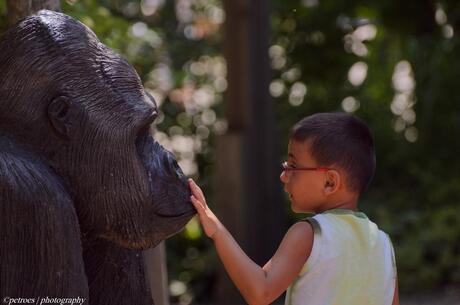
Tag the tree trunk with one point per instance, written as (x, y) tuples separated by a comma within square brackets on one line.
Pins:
[(19, 9), (249, 194)]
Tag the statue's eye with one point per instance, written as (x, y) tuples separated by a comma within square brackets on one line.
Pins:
[(148, 120), (145, 125)]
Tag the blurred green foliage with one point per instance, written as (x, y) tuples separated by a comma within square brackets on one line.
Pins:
[(395, 64), (3, 18)]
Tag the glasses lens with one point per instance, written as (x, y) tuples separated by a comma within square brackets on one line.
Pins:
[(285, 170), (284, 166)]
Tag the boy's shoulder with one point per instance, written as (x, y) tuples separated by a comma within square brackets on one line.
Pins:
[(300, 236), (342, 223), (301, 227)]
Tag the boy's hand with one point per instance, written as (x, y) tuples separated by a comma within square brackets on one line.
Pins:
[(209, 221)]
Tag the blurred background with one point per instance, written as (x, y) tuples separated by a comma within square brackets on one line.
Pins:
[(231, 78)]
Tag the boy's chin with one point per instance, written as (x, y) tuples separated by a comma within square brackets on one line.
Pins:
[(296, 209)]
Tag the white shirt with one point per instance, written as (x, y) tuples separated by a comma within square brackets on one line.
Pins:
[(351, 263)]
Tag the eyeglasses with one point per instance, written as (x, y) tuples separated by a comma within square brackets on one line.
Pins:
[(285, 167)]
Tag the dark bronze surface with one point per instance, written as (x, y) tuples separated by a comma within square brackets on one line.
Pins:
[(83, 185)]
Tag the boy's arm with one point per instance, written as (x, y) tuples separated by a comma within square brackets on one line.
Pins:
[(257, 285)]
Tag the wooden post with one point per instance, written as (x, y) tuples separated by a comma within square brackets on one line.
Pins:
[(156, 274), (249, 199)]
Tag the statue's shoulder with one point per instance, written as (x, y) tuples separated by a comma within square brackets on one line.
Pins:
[(26, 180), (40, 234)]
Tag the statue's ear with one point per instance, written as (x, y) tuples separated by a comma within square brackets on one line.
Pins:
[(62, 115)]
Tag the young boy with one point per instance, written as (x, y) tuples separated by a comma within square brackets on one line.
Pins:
[(338, 256)]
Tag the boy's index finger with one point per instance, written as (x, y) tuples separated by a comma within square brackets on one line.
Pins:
[(191, 182), (196, 189), (195, 202), (193, 186)]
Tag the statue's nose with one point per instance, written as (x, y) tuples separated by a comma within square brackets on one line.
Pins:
[(173, 168)]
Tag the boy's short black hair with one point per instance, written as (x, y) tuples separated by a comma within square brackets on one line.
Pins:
[(340, 140)]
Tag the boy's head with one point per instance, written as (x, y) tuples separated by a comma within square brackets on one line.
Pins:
[(341, 141)]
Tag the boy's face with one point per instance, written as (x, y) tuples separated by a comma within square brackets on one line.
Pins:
[(304, 187)]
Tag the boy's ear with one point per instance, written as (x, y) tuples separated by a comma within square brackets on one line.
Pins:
[(332, 182)]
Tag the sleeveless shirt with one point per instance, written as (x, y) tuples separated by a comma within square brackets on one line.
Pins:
[(351, 263)]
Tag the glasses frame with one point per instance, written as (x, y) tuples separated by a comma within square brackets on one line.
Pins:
[(287, 168)]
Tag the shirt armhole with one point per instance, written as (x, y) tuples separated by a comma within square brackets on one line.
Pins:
[(393, 266), (316, 248)]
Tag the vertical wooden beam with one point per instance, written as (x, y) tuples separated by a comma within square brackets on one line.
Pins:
[(264, 213), (156, 274), (249, 193), (230, 205), (235, 47), (230, 193)]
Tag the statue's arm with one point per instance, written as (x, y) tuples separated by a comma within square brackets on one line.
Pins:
[(40, 247)]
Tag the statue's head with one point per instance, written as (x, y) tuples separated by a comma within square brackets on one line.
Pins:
[(83, 110)]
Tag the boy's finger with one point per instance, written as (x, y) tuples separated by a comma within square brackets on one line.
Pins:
[(195, 201), (193, 186), (190, 181), (199, 196), (197, 204), (196, 188)]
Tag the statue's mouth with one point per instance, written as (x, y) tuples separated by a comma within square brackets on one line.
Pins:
[(185, 214)]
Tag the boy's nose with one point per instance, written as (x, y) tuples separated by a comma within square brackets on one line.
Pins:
[(283, 177)]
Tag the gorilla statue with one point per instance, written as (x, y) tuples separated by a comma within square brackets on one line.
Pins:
[(84, 187)]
